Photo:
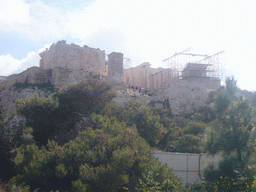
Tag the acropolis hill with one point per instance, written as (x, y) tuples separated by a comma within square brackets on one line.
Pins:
[(64, 64)]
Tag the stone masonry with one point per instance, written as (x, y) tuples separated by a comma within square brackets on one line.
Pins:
[(146, 77), (115, 67), (74, 57), (64, 65), (77, 62), (138, 76), (187, 95)]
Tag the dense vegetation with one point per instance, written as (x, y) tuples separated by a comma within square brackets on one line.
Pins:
[(43, 86), (79, 140)]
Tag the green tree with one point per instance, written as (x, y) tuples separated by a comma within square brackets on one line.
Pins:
[(6, 144), (188, 139), (107, 157), (232, 134), (230, 176), (187, 143), (231, 131), (39, 113), (204, 114), (231, 85), (122, 112), (148, 124), (59, 117), (222, 102), (85, 97), (225, 95)]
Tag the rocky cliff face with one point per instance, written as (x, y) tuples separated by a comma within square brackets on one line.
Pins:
[(62, 77), (184, 95), (35, 79), (11, 96), (59, 77)]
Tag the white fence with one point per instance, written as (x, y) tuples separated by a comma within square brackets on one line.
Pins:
[(187, 166)]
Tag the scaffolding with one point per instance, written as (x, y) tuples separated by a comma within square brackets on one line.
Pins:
[(127, 62), (183, 61)]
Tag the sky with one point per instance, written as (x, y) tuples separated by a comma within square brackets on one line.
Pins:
[(144, 30)]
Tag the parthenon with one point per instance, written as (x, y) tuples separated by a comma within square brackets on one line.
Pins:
[(150, 78), (186, 84)]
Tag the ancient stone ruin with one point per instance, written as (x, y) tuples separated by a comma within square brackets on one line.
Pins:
[(186, 88), (185, 82), (146, 77), (84, 59), (73, 57)]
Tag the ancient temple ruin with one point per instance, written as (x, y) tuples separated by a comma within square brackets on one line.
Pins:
[(185, 79), (147, 77)]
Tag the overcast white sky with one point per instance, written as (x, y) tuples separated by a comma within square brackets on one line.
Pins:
[(144, 30)]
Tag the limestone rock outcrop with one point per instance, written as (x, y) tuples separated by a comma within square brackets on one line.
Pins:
[(64, 65), (35, 79)]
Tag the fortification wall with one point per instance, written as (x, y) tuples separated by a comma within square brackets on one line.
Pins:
[(65, 65), (62, 77), (74, 57), (33, 75), (59, 77), (187, 95)]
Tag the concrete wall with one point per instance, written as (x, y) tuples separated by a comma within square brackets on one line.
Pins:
[(187, 166), (74, 57)]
